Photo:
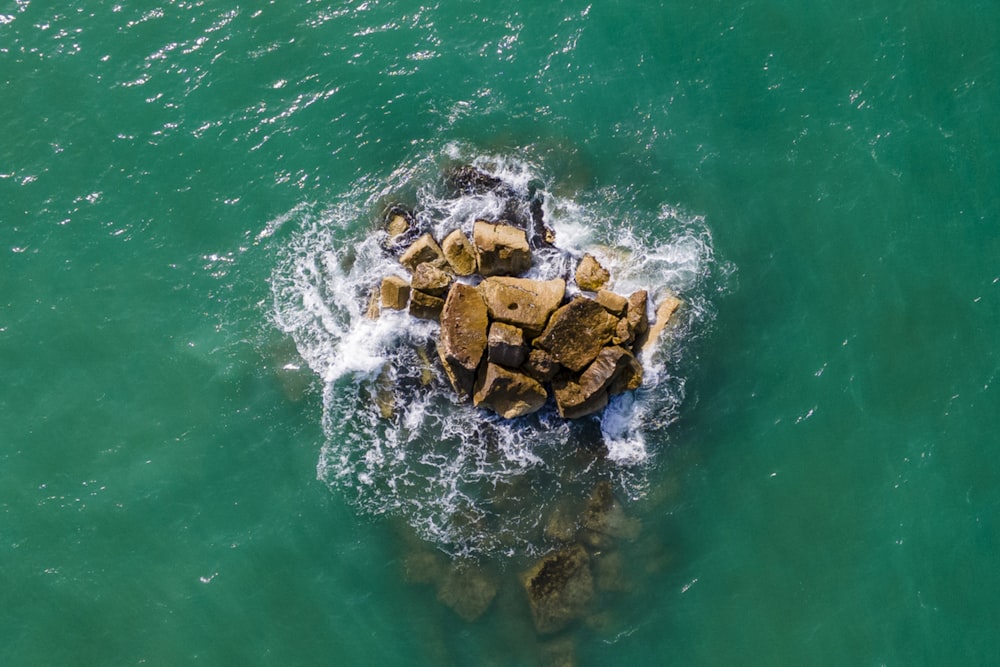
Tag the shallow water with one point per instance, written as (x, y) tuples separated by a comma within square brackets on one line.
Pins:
[(815, 483)]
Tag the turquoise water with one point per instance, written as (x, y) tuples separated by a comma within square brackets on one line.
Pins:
[(825, 491)]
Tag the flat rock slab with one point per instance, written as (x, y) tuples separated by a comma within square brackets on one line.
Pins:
[(524, 303), (576, 332), (464, 326)]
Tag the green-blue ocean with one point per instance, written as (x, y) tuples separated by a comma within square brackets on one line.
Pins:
[(193, 469)]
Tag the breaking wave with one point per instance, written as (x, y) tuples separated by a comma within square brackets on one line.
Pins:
[(397, 439)]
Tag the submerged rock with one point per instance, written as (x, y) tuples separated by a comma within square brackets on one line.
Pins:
[(560, 587), (605, 515), (468, 589)]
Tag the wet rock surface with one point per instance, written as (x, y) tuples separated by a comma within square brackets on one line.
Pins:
[(559, 588)]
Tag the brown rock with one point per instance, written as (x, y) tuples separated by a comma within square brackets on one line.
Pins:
[(395, 292), (397, 226), (541, 365), (629, 376), (524, 303), (459, 253), (507, 392), (501, 250), (664, 312), (559, 587), (464, 326), (425, 306), (623, 333), (590, 275), (576, 332), (424, 249), (374, 296), (613, 303), (573, 401), (506, 345), (636, 314), (430, 280)]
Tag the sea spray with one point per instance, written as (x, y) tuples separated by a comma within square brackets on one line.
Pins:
[(444, 467)]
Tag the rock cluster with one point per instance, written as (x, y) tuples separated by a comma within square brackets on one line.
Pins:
[(509, 342)]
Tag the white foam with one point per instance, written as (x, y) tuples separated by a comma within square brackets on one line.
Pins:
[(463, 478)]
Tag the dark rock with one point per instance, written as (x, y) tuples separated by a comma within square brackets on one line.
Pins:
[(541, 365), (430, 279), (629, 376), (425, 306), (506, 345), (467, 589), (424, 249), (590, 275), (560, 587), (466, 179), (524, 303), (460, 253), (501, 250), (395, 292), (464, 327), (507, 392), (576, 332)]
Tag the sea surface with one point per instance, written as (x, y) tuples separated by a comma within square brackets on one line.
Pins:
[(192, 466)]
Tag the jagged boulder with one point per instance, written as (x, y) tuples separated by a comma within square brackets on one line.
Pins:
[(501, 250), (612, 371), (507, 392), (523, 303), (395, 292), (590, 275), (576, 332), (424, 249), (464, 327), (636, 315), (574, 401), (425, 306), (459, 253), (431, 280), (560, 587), (506, 345)]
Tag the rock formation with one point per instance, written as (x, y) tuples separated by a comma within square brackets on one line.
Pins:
[(509, 342)]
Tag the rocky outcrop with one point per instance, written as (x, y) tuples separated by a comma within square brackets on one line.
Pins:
[(501, 249), (560, 588), (509, 342), (464, 327)]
